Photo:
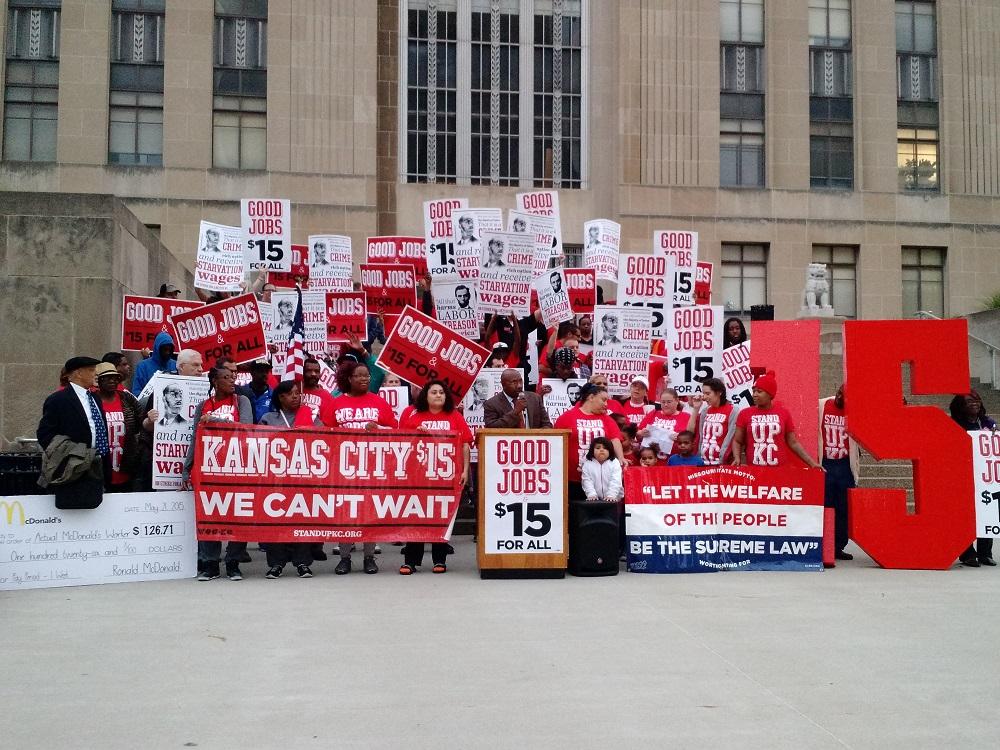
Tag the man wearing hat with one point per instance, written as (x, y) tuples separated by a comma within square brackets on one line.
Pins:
[(765, 432), (121, 415), (76, 414), (169, 291), (258, 390)]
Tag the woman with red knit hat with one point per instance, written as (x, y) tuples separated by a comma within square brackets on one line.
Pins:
[(765, 432)]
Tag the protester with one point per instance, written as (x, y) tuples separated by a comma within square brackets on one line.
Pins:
[(840, 459), (585, 421), (629, 443), (160, 360), (319, 400), (685, 455), (515, 407), (601, 475), (121, 414), (434, 411), (714, 418), (585, 324), (659, 426), (733, 333), (356, 353), (969, 413), (124, 367), (168, 291), (636, 406), (258, 390), (765, 432), (286, 411), (601, 381)]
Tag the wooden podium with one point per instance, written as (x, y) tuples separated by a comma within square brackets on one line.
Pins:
[(523, 504)]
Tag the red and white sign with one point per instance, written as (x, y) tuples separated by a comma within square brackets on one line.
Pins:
[(219, 264), (582, 286), (544, 203), (438, 231), (456, 305), (255, 483), (553, 297), (986, 467), (695, 347), (266, 224), (507, 269), (621, 345), (737, 375), (405, 250), (703, 283), (682, 248), (346, 316), (300, 269), (330, 263), (388, 289), (229, 328), (601, 241), (644, 281), (145, 317), (420, 349)]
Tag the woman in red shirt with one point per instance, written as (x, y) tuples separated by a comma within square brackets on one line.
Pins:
[(670, 418), (716, 422), (121, 413), (765, 432), (585, 421), (434, 411)]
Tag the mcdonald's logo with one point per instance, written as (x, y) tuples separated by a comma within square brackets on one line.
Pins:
[(9, 509)]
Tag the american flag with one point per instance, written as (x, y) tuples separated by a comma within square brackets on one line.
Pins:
[(295, 355)]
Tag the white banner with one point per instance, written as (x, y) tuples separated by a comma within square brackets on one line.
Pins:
[(136, 536), (175, 397), (621, 345), (219, 266), (695, 347), (456, 305), (601, 241), (266, 225), (553, 297), (561, 396), (736, 374), (544, 203), (645, 281), (397, 396), (986, 469), (438, 231), (682, 249), (505, 278), (330, 263)]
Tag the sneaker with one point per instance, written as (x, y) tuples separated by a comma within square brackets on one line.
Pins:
[(273, 572), (439, 568), (303, 571), (988, 561), (370, 566), (841, 555), (343, 567), (406, 570), (233, 571), (209, 571), (201, 566)]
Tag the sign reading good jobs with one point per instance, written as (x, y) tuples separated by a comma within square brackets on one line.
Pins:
[(230, 328), (315, 485), (404, 250), (267, 234), (143, 318)]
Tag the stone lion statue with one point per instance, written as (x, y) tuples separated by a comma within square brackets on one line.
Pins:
[(816, 296)]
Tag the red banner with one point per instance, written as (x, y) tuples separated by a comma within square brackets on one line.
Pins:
[(346, 315), (703, 283), (402, 250), (145, 317), (255, 483), (300, 268), (582, 286), (420, 349), (389, 289), (230, 328)]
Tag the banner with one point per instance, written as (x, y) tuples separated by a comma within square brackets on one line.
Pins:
[(456, 305), (544, 203), (562, 395), (682, 249), (346, 316), (737, 375), (695, 347), (143, 318), (397, 396), (299, 273), (330, 263), (388, 289), (313, 315), (602, 239), (553, 297), (420, 349), (219, 264), (255, 483), (621, 345), (266, 227), (703, 283), (986, 467), (407, 251), (645, 281), (438, 231), (505, 278), (582, 285), (231, 328), (140, 536), (175, 397), (685, 519)]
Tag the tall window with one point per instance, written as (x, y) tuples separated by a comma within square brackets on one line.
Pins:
[(923, 280), (135, 130), (917, 96), (831, 110), (744, 277), (31, 93), (239, 117), (842, 264), (514, 114), (741, 68)]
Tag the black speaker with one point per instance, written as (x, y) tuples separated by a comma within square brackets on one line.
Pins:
[(593, 539), (761, 312)]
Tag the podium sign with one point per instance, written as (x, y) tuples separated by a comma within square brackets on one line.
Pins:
[(523, 503)]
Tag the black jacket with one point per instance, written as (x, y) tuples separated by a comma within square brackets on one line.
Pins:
[(62, 414)]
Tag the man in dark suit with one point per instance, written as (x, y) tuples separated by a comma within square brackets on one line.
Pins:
[(514, 407), (77, 414)]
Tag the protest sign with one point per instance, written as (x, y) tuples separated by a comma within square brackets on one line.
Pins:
[(485, 387), (299, 273), (544, 203), (330, 263), (388, 289), (553, 297), (313, 315), (175, 397), (420, 349), (505, 278), (327, 378), (438, 231), (582, 285), (408, 251), (695, 347), (456, 305), (602, 240), (143, 318), (532, 358), (257, 483), (703, 283), (346, 316), (562, 395), (621, 345), (986, 468), (266, 228), (219, 264), (542, 228), (142, 536), (397, 396), (469, 226), (231, 327), (737, 375), (645, 281), (684, 519), (682, 249)]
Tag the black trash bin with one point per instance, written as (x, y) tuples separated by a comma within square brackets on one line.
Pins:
[(19, 472), (593, 539)]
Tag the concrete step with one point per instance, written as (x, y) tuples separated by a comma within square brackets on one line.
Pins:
[(887, 471)]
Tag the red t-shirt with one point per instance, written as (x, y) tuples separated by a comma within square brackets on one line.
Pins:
[(635, 414), (115, 419), (834, 431), (443, 422), (714, 426), (614, 407), (674, 423), (225, 410), (320, 403), (766, 434), (583, 428), (354, 412)]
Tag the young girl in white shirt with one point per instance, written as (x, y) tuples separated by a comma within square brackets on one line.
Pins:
[(601, 473)]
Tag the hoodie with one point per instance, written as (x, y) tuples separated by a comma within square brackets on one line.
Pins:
[(146, 369)]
